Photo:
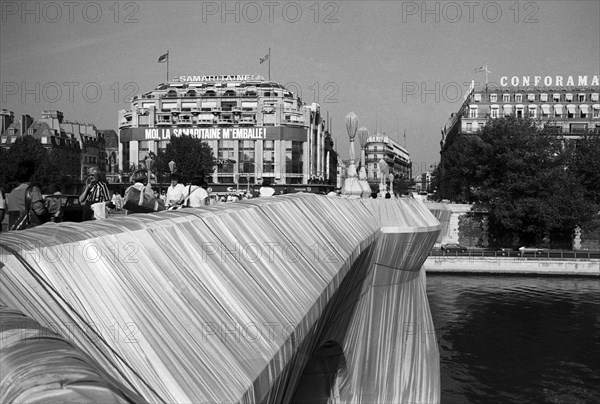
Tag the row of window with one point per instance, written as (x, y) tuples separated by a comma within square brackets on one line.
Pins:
[(546, 111), (268, 106), (543, 97), (228, 93), (246, 156), (573, 128)]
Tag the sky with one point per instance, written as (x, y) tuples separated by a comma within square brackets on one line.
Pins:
[(402, 66)]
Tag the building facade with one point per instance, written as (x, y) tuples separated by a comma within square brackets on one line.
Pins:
[(50, 131), (255, 127), (380, 146), (573, 109)]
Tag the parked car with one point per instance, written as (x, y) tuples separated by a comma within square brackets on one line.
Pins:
[(505, 251), (532, 250), (454, 248), (72, 209)]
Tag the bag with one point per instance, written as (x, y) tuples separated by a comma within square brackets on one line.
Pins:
[(135, 208), (144, 202), (28, 218)]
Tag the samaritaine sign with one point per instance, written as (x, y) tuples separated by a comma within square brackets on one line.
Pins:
[(214, 133), (225, 77), (206, 133), (556, 81)]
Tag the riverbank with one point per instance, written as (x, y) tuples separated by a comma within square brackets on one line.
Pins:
[(513, 265)]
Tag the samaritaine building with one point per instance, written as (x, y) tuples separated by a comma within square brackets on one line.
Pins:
[(255, 127)]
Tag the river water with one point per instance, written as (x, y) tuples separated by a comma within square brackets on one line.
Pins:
[(517, 339)]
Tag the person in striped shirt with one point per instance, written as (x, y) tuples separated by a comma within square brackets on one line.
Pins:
[(96, 190)]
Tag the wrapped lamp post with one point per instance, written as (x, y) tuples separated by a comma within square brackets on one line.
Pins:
[(352, 186), (363, 133), (149, 163)]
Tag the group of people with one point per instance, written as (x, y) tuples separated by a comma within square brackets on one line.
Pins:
[(194, 195), (26, 206)]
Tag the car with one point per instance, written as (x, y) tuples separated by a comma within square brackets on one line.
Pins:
[(504, 251), (531, 250), (454, 248)]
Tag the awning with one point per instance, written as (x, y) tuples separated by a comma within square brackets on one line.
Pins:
[(494, 106), (571, 108), (556, 96), (584, 108), (546, 109), (477, 97), (595, 97), (473, 106), (209, 104), (568, 97), (508, 109), (531, 97), (530, 107), (558, 108), (596, 106), (543, 97)]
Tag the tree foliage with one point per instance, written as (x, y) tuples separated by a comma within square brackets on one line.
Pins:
[(192, 157), (537, 185)]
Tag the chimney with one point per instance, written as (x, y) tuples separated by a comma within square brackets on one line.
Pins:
[(25, 123)]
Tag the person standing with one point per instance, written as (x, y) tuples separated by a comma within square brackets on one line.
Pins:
[(2, 207), (266, 189), (176, 191), (24, 198), (139, 197), (95, 191), (197, 195)]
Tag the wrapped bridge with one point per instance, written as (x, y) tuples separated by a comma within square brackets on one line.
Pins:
[(298, 298)]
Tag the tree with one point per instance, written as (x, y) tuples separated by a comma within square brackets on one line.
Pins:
[(525, 180), (461, 168), (29, 148), (586, 165), (192, 156)]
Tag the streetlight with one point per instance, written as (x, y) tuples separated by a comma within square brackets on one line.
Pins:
[(149, 163), (363, 133), (352, 186), (172, 166)]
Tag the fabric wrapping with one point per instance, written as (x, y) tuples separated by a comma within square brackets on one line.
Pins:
[(231, 303)]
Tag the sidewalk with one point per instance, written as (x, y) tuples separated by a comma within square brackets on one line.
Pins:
[(513, 265)]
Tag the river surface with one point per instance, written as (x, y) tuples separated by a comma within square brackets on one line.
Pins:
[(517, 339)]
